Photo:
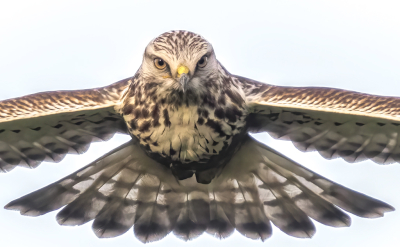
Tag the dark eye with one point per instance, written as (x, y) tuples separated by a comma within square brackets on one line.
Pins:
[(159, 63), (202, 62)]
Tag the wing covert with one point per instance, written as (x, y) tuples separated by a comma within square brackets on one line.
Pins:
[(46, 126), (335, 122), (127, 189)]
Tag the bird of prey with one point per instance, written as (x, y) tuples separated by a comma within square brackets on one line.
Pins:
[(191, 165)]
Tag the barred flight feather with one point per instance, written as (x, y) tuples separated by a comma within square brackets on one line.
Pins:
[(47, 126), (191, 166), (334, 122), (126, 188)]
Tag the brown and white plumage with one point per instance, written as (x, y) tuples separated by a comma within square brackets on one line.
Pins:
[(191, 166), (46, 126), (335, 122), (258, 186)]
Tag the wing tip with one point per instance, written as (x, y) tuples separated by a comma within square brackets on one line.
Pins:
[(379, 211), (23, 210)]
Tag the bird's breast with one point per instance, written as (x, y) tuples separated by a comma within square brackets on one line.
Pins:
[(183, 134)]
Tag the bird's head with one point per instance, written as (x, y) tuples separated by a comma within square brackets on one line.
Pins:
[(179, 61)]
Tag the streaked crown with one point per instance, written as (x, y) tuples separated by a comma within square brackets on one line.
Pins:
[(181, 43)]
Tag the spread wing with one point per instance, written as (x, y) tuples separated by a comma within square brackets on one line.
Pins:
[(259, 186), (336, 123), (48, 125)]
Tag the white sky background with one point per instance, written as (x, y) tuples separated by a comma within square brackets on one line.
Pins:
[(55, 45)]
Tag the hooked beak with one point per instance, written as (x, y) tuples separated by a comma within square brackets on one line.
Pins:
[(183, 80), (183, 76)]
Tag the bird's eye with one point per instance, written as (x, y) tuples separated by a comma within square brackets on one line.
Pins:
[(202, 62), (159, 63)]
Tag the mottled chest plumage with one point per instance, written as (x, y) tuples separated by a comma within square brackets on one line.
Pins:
[(184, 129)]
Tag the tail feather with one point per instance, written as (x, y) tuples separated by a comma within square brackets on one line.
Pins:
[(118, 215), (126, 188), (349, 200), (222, 210), (319, 209), (154, 218), (95, 186), (279, 206), (194, 215), (304, 199), (250, 219)]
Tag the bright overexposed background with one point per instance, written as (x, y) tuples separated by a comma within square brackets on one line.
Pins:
[(58, 45)]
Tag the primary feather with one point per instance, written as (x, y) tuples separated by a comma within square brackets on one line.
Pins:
[(126, 188), (191, 166), (47, 126)]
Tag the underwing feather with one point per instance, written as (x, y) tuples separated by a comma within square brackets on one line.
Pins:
[(334, 122), (126, 188), (47, 126)]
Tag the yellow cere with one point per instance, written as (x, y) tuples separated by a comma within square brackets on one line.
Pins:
[(183, 70)]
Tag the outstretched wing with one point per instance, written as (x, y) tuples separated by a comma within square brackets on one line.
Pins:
[(335, 122), (48, 125), (126, 188)]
